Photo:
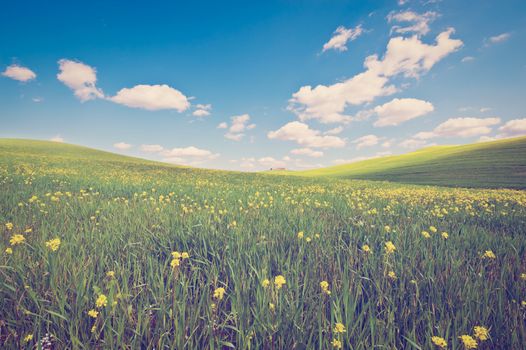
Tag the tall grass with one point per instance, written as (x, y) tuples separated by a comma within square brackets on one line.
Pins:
[(128, 216)]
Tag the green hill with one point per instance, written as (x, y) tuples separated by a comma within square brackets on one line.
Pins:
[(499, 163)]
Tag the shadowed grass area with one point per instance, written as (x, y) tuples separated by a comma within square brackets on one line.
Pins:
[(492, 164)]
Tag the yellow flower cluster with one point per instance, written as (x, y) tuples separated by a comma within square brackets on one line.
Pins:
[(219, 293), (325, 287), (279, 281), (53, 244)]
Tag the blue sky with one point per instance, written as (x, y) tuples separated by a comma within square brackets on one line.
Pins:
[(240, 85)]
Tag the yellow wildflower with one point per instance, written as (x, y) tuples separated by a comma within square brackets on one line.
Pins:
[(53, 244), (468, 341), (389, 247), (219, 293), (488, 254), (17, 239), (279, 281), (265, 283), (9, 250), (339, 328), (336, 344), (93, 329), (101, 301), (366, 248), (110, 274), (325, 287), (271, 306), (308, 239), (426, 234), (175, 263), (185, 255), (523, 276), (93, 313), (387, 228), (439, 341), (433, 229), (445, 235), (300, 235), (482, 333), (176, 255), (28, 338), (9, 226), (392, 275)]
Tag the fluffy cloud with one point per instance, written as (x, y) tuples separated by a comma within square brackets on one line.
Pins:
[(408, 57), (460, 127), (303, 135), (80, 78), (122, 146), (366, 141), (202, 110), (270, 162), (334, 131), (340, 38), (188, 155), (419, 23), (152, 98), (499, 38), (151, 148), (307, 152), (238, 126), (401, 110), (467, 59), (57, 138), (516, 127), (412, 143), (19, 73)]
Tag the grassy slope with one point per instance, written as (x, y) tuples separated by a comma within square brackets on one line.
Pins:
[(499, 163)]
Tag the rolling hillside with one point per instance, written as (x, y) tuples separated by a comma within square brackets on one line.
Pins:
[(499, 163)]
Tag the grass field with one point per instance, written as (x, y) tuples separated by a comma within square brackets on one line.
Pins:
[(492, 164), (110, 252)]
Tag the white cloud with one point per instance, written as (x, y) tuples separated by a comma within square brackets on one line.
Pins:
[(341, 36), (122, 146), (307, 152), (402, 2), (37, 99), (57, 138), (412, 143), (484, 109), (499, 38), (151, 148), (202, 110), (303, 135), (334, 131), (238, 125), (80, 78), (409, 57), (152, 98), (19, 73), (270, 162), (516, 127), (366, 141), (188, 155), (419, 22), (467, 59), (401, 110), (460, 127)]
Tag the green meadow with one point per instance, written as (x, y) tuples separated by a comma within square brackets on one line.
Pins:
[(101, 251), (493, 164)]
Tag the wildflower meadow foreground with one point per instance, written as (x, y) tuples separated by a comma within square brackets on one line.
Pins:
[(107, 252)]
